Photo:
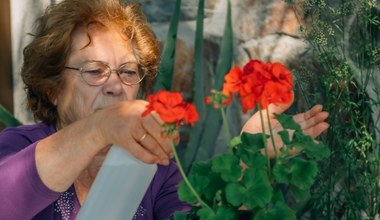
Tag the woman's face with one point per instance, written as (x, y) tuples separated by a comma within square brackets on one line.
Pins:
[(78, 99)]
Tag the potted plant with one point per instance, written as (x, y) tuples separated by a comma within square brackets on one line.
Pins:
[(247, 182)]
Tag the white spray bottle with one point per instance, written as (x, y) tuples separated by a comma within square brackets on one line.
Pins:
[(119, 187)]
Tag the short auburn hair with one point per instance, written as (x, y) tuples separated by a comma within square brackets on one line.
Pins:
[(46, 55)]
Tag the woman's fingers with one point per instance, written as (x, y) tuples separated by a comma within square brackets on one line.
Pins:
[(141, 136), (151, 144), (155, 141), (174, 135), (142, 153), (312, 118), (316, 130)]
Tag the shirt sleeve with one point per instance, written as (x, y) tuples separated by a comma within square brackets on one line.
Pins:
[(167, 201), (22, 192)]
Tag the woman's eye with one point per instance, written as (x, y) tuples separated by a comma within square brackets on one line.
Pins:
[(129, 73), (94, 72)]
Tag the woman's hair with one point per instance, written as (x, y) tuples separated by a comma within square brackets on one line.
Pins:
[(46, 55)]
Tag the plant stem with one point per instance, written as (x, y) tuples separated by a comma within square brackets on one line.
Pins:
[(201, 202), (271, 134), (264, 140), (225, 124)]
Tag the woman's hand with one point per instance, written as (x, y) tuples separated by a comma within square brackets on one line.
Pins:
[(141, 136), (312, 123)]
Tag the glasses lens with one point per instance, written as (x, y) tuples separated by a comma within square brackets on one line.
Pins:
[(94, 73), (131, 73)]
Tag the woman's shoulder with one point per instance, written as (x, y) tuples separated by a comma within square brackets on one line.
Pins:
[(13, 139), (34, 131)]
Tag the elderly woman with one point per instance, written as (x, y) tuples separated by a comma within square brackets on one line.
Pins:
[(89, 62)]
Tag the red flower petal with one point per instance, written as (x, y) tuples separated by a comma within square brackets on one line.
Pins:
[(171, 108), (260, 83)]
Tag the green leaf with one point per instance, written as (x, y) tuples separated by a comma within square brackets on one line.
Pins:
[(235, 141), (215, 185), (207, 183), (287, 122), (200, 178), (201, 168), (253, 142), (198, 92), (281, 173), (285, 137), (180, 215), (225, 213), (258, 195), (309, 146), (165, 78), (226, 52), (185, 194), (306, 143), (253, 176), (206, 213), (259, 189), (235, 194), (199, 182), (192, 146), (300, 194), (301, 141), (253, 191), (222, 212), (278, 197), (317, 151), (198, 80), (208, 134), (7, 118), (256, 160), (213, 120), (228, 166), (280, 211), (303, 173)]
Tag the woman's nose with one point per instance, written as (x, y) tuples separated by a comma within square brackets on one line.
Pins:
[(114, 85)]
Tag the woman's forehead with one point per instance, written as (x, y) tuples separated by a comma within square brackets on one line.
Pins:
[(100, 43)]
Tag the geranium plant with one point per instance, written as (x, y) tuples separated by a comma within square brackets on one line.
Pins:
[(247, 182)]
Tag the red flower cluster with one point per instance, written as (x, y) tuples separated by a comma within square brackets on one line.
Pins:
[(171, 108), (259, 83)]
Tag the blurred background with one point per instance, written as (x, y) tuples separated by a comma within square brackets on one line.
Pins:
[(262, 29)]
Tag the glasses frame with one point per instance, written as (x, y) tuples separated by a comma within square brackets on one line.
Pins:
[(109, 72)]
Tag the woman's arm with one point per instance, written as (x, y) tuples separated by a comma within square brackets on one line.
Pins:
[(74, 146)]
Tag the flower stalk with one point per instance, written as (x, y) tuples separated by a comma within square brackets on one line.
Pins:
[(271, 134), (264, 140), (225, 124), (201, 202)]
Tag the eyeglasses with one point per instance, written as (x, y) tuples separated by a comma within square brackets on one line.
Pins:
[(96, 73)]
